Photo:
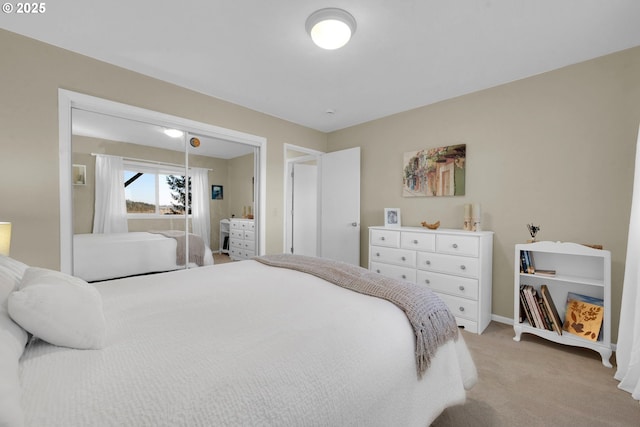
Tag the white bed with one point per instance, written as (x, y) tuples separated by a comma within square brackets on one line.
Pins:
[(108, 256), (242, 344)]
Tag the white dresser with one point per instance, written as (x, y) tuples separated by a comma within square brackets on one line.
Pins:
[(242, 238), (456, 264)]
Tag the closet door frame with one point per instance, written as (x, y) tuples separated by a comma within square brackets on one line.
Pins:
[(69, 99)]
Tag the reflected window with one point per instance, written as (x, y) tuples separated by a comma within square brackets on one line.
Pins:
[(156, 191)]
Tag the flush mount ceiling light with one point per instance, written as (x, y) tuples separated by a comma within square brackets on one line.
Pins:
[(173, 133), (331, 28)]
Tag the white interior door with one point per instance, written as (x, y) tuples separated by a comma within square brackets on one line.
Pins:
[(340, 205), (304, 209)]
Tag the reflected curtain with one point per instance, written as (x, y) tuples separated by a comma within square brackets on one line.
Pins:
[(628, 347), (200, 221), (110, 214)]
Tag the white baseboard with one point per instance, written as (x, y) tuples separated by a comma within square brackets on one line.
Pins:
[(502, 319)]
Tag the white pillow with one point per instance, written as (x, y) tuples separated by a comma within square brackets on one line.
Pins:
[(10, 276), (13, 265), (58, 308)]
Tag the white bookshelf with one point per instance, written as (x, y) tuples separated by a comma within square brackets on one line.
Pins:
[(579, 269), (224, 232)]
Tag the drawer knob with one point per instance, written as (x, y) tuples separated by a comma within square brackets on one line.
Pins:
[(377, 253), (461, 309), (404, 276), (427, 281), (382, 238), (455, 246), (415, 242), (428, 262), (378, 271), (404, 258), (461, 287), (462, 267)]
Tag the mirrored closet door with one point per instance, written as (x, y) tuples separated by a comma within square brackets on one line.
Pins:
[(137, 186)]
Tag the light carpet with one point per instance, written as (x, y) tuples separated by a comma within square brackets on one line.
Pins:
[(535, 382)]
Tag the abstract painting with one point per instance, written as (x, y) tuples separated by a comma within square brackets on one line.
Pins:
[(436, 171)]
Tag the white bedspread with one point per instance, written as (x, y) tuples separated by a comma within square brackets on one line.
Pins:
[(242, 344), (108, 256)]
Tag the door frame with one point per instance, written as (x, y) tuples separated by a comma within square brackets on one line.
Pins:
[(68, 99), (308, 155)]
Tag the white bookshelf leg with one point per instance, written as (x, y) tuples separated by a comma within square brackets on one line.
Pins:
[(518, 332), (606, 356)]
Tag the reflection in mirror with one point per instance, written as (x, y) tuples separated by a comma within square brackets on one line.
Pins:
[(230, 197), (136, 226)]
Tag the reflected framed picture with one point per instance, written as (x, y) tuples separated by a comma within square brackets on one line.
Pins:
[(392, 217), (216, 192), (79, 174)]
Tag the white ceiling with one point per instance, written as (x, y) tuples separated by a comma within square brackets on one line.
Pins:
[(404, 54), (95, 125)]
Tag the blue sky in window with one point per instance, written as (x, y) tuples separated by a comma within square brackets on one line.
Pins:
[(143, 189)]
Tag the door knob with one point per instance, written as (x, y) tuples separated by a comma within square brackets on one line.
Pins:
[(354, 224)]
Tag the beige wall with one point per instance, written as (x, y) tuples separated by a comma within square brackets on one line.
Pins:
[(240, 185), (32, 72), (556, 149)]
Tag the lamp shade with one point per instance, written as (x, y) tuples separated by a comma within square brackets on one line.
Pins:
[(5, 238), (331, 28)]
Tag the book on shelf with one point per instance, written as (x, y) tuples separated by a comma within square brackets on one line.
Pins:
[(526, 298), (526, 262), (523, 262), (538, 308), (551, 309), (525, 313), (584, 316), (534, 308), (549, 273), (546, 320)]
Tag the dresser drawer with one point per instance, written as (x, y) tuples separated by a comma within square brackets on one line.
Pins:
[(250, 235), (235, 251), (418, 241), (458, 245), (448, 264), (236, 234), (388, 238), (394, 271), (243, 225), (452, 285), (461, 307), (403, 257), (248, 244), (468, 324), (236, 243), (241, 253)]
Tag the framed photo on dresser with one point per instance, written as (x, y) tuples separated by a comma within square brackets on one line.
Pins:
[(392, 217)]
